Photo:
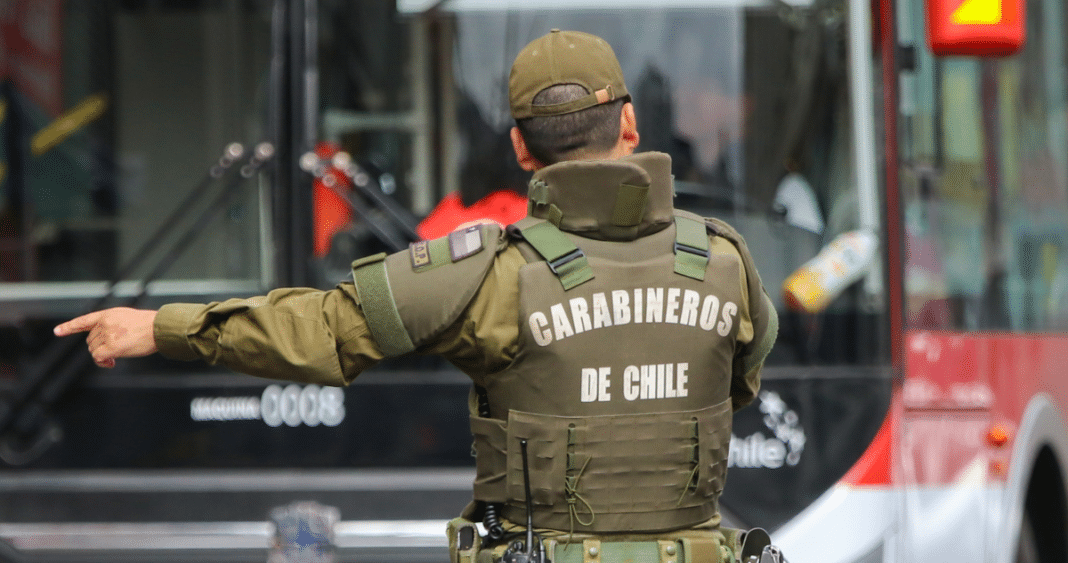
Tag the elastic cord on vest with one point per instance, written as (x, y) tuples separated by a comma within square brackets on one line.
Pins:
[(571, 485), (695, 459)]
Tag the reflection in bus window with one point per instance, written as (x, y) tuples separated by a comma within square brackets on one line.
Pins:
[(986, 192), (372, 72), (760, 140), (112, 114)]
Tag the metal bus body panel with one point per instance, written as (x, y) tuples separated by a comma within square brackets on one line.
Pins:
[(944, 474), (981, 408), (849, 524), (999, 372)]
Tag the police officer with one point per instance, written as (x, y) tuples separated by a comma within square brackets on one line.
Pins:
[(609, 336)]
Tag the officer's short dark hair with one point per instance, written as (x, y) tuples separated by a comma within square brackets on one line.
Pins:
[(556, 138)]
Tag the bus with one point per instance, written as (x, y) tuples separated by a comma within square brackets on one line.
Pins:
[(905, 197)]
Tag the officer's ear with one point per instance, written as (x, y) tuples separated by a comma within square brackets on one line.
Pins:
[(522, 155), (628, 131)]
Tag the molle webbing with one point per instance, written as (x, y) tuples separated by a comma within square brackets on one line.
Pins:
[(565, 260), (379, 307), (639, 472), (685, 547), (691, 247)]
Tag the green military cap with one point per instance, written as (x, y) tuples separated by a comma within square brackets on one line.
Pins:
[(565, 57)]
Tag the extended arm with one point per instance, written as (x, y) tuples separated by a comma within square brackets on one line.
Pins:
[(293, 334), (327, 337)]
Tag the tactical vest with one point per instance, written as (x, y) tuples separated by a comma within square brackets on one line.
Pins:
[(626, 347), (620, 386)]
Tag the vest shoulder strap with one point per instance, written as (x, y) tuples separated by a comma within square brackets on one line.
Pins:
[(566, 261), (691, 246)]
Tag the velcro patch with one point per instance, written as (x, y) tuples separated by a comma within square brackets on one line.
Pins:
[(465, 243), (420, 254)]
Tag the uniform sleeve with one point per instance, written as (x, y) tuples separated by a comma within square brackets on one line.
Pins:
[(760, 326), (295, 334), (745, 380)]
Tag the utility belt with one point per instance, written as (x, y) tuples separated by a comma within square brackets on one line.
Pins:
[(729, 546), (466, 546)]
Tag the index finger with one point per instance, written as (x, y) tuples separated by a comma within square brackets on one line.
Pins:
[(79, 324)]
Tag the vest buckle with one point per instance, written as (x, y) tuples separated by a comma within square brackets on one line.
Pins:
[(555, 265), (702, 252)]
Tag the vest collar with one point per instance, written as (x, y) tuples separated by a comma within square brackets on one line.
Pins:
[(615, 200)]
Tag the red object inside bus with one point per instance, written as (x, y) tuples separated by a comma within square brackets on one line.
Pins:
[(330, 213), (502, 206)]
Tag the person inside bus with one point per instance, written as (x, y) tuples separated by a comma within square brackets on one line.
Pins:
[(607, 332)]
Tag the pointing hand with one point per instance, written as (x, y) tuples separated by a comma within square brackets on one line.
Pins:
[(120, 332)]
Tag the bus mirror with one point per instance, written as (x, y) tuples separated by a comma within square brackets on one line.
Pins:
[(982, 28), (820, 280)]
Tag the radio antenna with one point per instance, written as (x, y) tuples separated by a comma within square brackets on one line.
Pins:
[(529, 554), (530, 503)]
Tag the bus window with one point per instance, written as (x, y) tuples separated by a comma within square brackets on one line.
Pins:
[(112, 112), (986, 188), (156, 92)]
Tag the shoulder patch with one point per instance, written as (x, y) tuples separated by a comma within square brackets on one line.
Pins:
[(420, 252), (464, 243), (457, 245), (429, 254)]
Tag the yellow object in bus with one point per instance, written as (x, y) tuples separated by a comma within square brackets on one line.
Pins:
[(978, 12), (63, 126), (815, 284)]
